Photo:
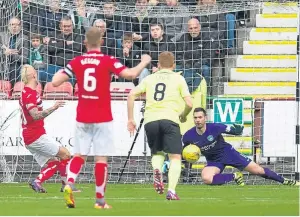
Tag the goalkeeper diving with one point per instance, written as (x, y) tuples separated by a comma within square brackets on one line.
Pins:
[(219, 154)]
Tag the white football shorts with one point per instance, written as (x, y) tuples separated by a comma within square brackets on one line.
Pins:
[(94, 139), (43, 149)]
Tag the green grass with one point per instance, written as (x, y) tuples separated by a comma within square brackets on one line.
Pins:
[(127, 199)]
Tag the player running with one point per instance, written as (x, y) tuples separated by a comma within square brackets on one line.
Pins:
[(219, 154), (94, 117), (164, 93), (45, 150)]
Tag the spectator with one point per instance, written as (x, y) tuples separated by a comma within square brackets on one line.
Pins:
[(108, 45), (197, 49), (5, 11), (51, 19), (176, 23), (114, 23), (31, 16), (218, 22), (139, 22), (80, 17), (14, 50), (38, 57), (65, 46), (130, 54), (159, 42), (188, 2), (156, 2)]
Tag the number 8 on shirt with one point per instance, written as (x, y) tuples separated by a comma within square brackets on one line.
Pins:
[(165, 91)]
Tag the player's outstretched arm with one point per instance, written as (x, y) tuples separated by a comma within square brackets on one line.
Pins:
[(59, 78), (134, 72), (37, 115), (235, 129)]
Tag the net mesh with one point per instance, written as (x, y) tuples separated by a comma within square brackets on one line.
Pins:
[(246, 50)]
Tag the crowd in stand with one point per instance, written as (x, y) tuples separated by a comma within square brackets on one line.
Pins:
[(47, 37)]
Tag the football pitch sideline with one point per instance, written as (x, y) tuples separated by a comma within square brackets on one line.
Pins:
[(141, 199)]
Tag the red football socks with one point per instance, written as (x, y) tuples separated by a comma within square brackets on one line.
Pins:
[(74, 168), (48, 171), (62, 168), (101, 178)]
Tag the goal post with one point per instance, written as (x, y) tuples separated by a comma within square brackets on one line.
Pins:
[(8, 164), (243, 67), (297, 128)]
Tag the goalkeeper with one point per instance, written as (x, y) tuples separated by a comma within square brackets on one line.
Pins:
[(219, 154), (165, 90)]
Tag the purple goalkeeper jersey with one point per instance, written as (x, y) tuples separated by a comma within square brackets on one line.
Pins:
[(211, 142)]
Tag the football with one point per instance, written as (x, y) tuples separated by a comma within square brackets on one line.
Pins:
[(191, 153)]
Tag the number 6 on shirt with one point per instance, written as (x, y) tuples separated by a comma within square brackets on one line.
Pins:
[(89, 80)]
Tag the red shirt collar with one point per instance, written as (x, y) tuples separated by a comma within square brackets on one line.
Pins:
[(94, 51)]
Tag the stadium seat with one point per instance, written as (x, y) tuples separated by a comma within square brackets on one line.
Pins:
[(63, 91), (5, 89), (120, 90), (19, 87), (39, 89), (76, 90)]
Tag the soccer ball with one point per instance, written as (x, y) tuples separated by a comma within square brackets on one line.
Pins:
[(191, 153)]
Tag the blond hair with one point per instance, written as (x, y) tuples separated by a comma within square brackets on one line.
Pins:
[(24, 73), (93, 37), (166, 59)]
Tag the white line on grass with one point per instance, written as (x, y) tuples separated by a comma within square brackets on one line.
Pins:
[(142, 199), (224, 187), (201, 187), (26, 186)]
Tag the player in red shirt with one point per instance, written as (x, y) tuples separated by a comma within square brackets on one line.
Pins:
[(94, 117), (46, 151)]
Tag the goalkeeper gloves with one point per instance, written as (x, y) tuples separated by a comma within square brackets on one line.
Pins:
[(236, 129), (166, 166)]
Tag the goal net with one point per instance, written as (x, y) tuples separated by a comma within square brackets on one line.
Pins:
[(239, 59)]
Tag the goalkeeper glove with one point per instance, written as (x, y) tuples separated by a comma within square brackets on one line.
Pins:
[(236, 129), (166, 166)]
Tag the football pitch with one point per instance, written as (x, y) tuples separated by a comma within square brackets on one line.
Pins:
[(141, 199)]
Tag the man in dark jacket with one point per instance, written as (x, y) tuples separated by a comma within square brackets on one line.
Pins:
[(139, 22), (214, 22), (198, 50), (52, 16), (175, 19), (65, 46), (114, 23), (159, 42), (223, 23), (14, 51), (108, 45), (31, 16)]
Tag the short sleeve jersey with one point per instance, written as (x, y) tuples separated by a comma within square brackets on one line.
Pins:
[(93, 74), (165, 91), (32, 129)]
